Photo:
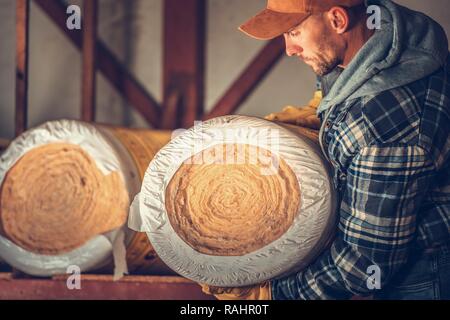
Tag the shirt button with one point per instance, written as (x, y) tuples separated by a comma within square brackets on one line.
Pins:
[(328, 124)]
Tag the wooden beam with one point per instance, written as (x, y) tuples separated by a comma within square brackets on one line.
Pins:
[(3, 145), (98, 287), (170, 118), (184, 57), (22, 51), (108, 64), (249, 79), (90, 14)]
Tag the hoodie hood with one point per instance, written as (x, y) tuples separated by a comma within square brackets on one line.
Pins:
[(409, 46)]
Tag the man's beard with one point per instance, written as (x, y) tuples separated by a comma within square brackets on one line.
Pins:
[(327, 58), (323, 64)]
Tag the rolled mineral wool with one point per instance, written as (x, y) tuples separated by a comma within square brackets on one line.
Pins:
[(236, 201), (64, 197)]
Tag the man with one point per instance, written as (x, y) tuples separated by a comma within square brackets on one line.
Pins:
[(385, 129)]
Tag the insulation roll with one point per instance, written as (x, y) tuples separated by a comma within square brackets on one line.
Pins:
[(65, 193), (236, 201)]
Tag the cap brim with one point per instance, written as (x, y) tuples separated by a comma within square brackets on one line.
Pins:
[(269, 24)]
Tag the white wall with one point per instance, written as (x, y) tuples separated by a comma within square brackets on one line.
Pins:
[(133, 31)]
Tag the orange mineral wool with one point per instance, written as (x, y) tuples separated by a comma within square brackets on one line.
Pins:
[(222, 202), (55, 199)]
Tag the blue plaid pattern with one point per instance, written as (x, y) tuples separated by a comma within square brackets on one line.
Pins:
[(390, 154)]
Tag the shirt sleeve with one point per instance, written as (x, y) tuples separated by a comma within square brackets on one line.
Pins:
[(377, 223)]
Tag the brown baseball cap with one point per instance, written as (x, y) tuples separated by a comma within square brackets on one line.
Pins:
[(282, 15)]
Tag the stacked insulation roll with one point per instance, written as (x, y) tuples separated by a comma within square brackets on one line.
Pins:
[(236, 201), (65, 193)]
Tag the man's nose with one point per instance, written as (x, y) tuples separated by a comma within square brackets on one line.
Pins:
[(292, 49)]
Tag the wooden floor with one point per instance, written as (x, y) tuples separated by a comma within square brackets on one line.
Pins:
[(100, 287)]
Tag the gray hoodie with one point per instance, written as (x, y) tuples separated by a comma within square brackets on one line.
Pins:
[(408, 47)]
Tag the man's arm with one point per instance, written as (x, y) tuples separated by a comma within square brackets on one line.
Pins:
[(385, 187)]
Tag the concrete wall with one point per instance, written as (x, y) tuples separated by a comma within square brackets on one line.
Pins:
[(133, 30)]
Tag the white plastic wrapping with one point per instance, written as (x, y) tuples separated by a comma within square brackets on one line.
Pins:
[(109, 157), (294, 250)]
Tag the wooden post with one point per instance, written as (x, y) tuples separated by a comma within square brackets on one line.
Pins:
[(22, 50), (89, 18), (184, 58)]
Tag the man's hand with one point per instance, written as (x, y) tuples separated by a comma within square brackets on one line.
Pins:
[(257, 292), (304, 117)]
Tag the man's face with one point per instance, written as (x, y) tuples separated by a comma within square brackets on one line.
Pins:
[(314, 42)]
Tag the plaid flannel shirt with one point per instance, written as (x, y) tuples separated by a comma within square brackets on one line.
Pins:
[(390, 155)]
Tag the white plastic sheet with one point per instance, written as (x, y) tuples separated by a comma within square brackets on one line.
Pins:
[(293, 251)]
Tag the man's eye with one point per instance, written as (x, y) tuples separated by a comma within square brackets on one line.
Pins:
[(293, 33)]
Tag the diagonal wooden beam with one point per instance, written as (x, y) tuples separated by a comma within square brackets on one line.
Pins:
[(108, 64), (249, 79), (22, 50)]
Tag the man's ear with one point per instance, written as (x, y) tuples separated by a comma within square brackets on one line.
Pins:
[(339, 19)]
